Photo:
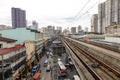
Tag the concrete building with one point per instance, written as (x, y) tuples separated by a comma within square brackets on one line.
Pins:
[(35, 25), (34, 47), (12, 62), (109, 16), (7, 42), (18, 18), (66, 32), (94, 23), (3, 27), (43, 30), (115, 29), (113, 16), (86, 29), (101, 18), (50, 30), (59, 29), (80, 30), (73, 30)]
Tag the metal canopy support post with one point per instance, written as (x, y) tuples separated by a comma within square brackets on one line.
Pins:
[(2, 68)]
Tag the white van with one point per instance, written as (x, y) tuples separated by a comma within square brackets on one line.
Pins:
[(76, 77), (48, 68)]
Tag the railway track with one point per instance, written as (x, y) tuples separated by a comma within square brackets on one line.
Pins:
[(110, 57), (103, 68), (105, 75), (106, 46), (87, 77)]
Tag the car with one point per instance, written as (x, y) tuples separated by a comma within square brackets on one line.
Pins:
[(59, 59), (76, 77), (35, 69), (45, 63), (48, 68)]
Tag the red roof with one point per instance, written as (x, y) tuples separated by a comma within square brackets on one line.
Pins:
[(7, 40), (8, 50)]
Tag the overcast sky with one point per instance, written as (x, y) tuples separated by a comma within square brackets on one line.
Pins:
[(51, 12)]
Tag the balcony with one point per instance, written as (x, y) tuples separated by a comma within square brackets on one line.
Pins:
[(7, 74), (17, 66), (7, 71), (15, 57), (5, 66)]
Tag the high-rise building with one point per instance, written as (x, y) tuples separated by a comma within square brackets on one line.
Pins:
[(94, 23), (73, 30), (50, 30), (18, 18), (79, 29), (35, 25), (86, 29), (101, 18), (60, 29), (109, 16)]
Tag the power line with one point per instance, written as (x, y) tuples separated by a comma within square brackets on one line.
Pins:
[(89, 9), (86, 11), (82, 9)]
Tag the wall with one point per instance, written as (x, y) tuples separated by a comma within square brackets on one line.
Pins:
[(30, 48), (7, 45), (112, 39)]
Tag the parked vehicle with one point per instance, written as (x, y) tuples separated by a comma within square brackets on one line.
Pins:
[(76, 77), (45, 63), (48, 68), (35, 69), (62, 69)]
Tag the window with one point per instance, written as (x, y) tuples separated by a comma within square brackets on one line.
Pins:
[(0, 45)]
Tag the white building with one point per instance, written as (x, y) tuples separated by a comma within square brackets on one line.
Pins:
[(109, 16), (14, 59), (73, 30), (7, 42), (94, 23)]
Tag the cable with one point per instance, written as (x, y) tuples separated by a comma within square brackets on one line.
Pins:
[(82, 9), (88, 9)]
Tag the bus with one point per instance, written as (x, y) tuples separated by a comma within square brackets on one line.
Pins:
[(62, 69)]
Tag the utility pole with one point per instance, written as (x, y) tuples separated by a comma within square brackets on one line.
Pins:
[(2, 68)]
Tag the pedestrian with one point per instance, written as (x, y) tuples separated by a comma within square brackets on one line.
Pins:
[(71, 68)]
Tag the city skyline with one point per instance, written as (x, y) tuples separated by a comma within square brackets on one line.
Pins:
[(56, 13)]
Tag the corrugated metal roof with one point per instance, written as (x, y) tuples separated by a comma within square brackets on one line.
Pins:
[(8, 40)]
